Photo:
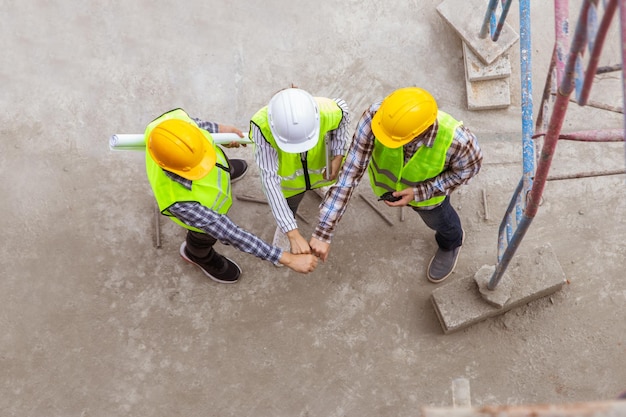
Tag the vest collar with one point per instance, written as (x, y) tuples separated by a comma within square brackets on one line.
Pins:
[(177, 178), (427, 138)]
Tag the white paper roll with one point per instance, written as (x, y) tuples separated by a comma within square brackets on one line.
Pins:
[(136, 142)]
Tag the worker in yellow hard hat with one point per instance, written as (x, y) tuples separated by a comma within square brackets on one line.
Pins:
[(415, 155), (191, 180), (299, 143)]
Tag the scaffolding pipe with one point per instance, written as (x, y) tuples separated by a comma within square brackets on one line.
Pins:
[(540, 124), (484, 29), (491, 11), (527, 145), (602, 135), (590, 409), (609, 68), (552, 136), (622, 19), (504, 231), (586, 175), (594, 58), (505, 11), (556, 121), (561, 21), (602, 106)]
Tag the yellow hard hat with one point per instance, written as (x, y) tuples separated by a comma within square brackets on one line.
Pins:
[(403, 115), (180, 147)]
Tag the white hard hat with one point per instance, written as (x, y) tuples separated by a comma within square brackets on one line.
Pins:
[(294, 120)]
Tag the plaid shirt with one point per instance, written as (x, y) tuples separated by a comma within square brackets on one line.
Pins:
[(218, 225), (463, 161)]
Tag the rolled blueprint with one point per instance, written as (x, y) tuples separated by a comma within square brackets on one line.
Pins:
[(136, 142)]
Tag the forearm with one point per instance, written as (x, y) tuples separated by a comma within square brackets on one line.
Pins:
[(283, 215), (210, 127), (336, 200), (223, 229), (332, 210)]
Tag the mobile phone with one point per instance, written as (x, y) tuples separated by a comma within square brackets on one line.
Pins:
[(388, 196)]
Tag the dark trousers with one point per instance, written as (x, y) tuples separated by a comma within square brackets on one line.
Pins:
[(200, 245), (444, 220), (294, 201)]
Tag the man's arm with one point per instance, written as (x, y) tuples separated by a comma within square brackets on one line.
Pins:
[(223, 229), (267, 160), (336, 200), (210, 127), (213, 127)]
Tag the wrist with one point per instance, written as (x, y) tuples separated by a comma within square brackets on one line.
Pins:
[(293, 233), (285, 258)]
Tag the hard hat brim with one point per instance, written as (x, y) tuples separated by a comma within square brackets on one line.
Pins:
[(297, 147)]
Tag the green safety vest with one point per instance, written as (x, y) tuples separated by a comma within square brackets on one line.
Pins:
[(387, 171), (293, 177), (212, 191)]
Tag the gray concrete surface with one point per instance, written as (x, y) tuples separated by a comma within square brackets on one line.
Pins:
[(98, 322), (465, 301)]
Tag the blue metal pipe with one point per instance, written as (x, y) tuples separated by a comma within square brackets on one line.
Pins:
[(528, 146)]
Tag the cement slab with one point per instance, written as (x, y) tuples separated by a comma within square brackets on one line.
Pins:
[(488, 95), (476, 70), (459, 304), (466, 18), (499, 295)]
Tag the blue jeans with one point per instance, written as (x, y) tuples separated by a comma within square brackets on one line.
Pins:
[(444, 220)]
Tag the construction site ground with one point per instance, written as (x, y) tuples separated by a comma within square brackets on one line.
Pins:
[(98, 321)]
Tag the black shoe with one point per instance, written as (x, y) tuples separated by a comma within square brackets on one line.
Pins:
[(221, 269), (238, 168)]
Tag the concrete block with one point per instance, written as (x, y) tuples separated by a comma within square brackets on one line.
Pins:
[(488, 95), (466, 18), (499, 295), (459, 303), (476, 70)]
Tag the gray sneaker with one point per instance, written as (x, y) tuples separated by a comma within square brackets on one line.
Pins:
[(443, 263)]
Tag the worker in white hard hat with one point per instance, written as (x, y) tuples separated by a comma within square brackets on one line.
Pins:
[(415, 155), (300, 141), (191, 180)]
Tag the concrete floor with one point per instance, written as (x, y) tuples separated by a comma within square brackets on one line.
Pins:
[(97, 321)]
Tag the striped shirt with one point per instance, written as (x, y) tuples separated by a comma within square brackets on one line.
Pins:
[(266, 158), (218, 225), (463, 161)]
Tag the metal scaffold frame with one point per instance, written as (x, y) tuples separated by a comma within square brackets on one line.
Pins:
[(566, 75)]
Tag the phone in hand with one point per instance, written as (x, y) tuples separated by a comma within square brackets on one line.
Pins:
[(388, 196)]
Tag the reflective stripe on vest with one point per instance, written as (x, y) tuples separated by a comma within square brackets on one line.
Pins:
[(387, 171), (212, 191), (290, 167)]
